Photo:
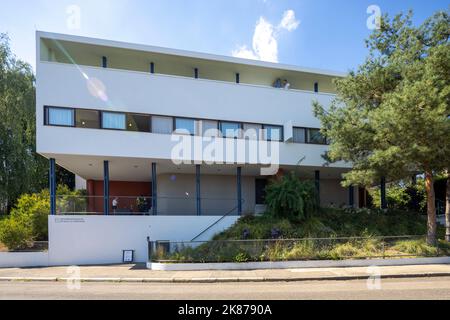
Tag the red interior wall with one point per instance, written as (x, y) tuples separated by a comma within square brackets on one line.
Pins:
[(119, 189)]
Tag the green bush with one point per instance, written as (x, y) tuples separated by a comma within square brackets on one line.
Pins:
[(34, 209), (28, 220), (291, 198), (416, 247), (16, 233), (407, 197)]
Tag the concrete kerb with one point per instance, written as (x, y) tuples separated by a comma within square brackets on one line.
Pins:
[(222, 280)]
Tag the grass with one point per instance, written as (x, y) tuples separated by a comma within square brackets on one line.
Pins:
[(365, 227)]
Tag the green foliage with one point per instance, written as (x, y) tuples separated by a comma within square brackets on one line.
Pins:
[(416, 247), (28, 220), (22, 169), (290, 197), (15, 233), (390, 116), (401, 196)]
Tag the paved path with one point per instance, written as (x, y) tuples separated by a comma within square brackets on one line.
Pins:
[(416, 288), (138, 273)]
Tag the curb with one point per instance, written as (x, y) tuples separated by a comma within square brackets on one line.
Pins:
[(221, 280)]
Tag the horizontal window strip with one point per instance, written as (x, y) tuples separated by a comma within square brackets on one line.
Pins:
[(160, 124)]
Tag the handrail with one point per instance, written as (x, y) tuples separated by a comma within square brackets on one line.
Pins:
[(216, 222)]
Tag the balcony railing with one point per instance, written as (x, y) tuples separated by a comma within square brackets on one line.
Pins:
[(142, 205)]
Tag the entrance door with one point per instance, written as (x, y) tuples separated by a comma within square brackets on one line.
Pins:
[(260, 191)]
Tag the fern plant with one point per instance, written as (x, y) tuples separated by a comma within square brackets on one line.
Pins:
[(292, 198)]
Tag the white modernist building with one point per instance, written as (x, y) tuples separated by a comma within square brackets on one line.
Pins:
[(167, 142)]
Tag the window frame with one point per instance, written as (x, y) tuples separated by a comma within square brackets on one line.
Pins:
[(174, 125), (223, 134), (113, 112), (307, 136), (266, 136), (47, 116)]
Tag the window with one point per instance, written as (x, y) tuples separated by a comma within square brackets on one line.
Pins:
[(138, 122), (316, 137), (252, 131), (185, 126), (210, 128), (60, 117), (273, 133), (230, 129), (87, 119), (162, 125), (112, 120), (299, 135)]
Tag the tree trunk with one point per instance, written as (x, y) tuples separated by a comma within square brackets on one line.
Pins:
[(447, 209), (431, 209)]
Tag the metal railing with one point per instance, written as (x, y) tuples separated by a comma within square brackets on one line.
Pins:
[(291, 249), (142, 205)]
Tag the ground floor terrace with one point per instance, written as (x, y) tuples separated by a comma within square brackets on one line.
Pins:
[(128, 186)]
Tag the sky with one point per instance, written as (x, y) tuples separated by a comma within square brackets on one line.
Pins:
[(309, 33)]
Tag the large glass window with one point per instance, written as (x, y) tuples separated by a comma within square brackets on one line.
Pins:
[(162, 125), (60, 117), (299, 135), (87, 119), (316, 137), (230, 129), (273, 133), (252, 131), (112, 120), (185, 126), (209, 128), (138, 122)]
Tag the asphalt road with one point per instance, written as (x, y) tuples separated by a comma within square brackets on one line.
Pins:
[(413, 288)]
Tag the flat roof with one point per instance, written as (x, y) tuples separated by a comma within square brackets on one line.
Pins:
[(183, 53)]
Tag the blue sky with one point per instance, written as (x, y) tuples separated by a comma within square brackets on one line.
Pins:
[(310, 33)]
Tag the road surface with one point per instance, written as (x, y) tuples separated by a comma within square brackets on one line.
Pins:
[(413, 288)]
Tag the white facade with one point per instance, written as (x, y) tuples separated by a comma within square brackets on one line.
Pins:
[(83, 74)]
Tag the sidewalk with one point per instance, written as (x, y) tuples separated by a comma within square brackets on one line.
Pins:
[(138, 273)]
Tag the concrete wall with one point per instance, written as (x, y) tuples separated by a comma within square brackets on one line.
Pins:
[(85, 240), (333, 194), (23, 259)]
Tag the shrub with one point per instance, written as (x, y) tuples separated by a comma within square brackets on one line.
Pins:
[(16, 233), (34, 209), (291, 198), (407, 197), (415, 247)]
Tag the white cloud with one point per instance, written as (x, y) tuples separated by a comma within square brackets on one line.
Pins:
[(265, 43), (244, 52), (289, 22)]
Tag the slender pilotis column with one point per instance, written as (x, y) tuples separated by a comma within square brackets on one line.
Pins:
[(106, 187)]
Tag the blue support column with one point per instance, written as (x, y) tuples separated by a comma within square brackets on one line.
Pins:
[(154, 191), (198, 190), (104, 62), (52, 184), (239, 190), (106, 188), (351, 196), (383, 193), (317, 184)]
